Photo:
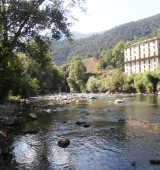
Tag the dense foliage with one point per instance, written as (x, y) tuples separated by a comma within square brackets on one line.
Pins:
[(133, 31), (26, 65), (113, 58), (21, 25), (76, 77), (146, 82)]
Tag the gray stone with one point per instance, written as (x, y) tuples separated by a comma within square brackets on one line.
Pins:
[(33, 116), (63, 142)]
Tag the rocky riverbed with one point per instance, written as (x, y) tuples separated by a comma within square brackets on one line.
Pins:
[(10, 116)]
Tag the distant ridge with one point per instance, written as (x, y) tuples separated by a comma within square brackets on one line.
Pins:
[(63, 53), (79, 35)]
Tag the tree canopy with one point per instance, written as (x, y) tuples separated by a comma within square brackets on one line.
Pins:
[(21, 20), (25, 59), (76, 74)]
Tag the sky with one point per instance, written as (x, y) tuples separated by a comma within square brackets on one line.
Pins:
[(103, 15)]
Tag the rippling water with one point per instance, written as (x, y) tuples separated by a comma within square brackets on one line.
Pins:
[(106, 145)]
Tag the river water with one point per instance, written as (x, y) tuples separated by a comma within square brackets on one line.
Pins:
[(108, 144)]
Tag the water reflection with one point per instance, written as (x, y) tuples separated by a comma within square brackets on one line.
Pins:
[(106, 144)]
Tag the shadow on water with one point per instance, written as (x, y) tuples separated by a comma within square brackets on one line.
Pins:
[(118, 136)]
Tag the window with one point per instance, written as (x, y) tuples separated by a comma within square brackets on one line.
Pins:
[(144, 55), (154, 54), (144, 61), (148, 54)]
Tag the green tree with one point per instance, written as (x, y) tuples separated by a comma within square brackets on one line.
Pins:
[(42, 67), (65, 72), (154, 78), (92, 84), (118, 80), (23, 20), (76, 79), (139, 83)]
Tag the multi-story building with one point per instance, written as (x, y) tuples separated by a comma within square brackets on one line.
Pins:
[(142, 56)]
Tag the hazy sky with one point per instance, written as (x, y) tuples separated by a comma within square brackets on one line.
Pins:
[(106, 14)]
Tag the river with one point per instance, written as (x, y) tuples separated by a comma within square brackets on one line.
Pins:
[(122, 136)]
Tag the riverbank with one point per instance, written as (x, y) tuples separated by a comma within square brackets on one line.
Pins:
[(10, 115)]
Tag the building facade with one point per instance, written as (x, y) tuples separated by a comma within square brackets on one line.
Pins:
[(142, 56)]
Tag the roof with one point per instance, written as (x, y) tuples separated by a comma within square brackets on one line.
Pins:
[(144, 41)]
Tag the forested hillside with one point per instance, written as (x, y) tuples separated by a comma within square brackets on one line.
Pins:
[(93, 45)]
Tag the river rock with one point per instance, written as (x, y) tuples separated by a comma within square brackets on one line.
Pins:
[(154, 161), (118, 101), (121, 120), (33, 116), (80, 123), (63, 142), (92, 97), (2, 134), (48, 110), (13, 120), (86, 126)]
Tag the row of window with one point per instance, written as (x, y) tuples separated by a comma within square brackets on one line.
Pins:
[(152, 42), (140, 56), (154, 60), (140, 66), (138, 52)]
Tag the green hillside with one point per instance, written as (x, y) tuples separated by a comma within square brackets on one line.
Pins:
[(94, 44)]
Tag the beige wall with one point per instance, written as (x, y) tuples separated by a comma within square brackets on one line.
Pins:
[(142, 56)]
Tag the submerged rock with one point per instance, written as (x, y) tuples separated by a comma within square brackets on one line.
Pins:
[(63, 142), (33, 116), (133, 163), (80, 123), (86, 126), (154, 161), (121, 120)]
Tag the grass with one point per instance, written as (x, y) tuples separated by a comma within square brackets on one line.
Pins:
[(91, 65)]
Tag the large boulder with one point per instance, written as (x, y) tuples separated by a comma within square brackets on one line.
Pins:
[(63, 142)]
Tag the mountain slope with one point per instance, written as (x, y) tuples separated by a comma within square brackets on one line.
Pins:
[(90, 64), (63, 53), (79, 35)]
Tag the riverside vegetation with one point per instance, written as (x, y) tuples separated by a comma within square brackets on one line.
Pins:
[(26, 65), (27, 68)]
